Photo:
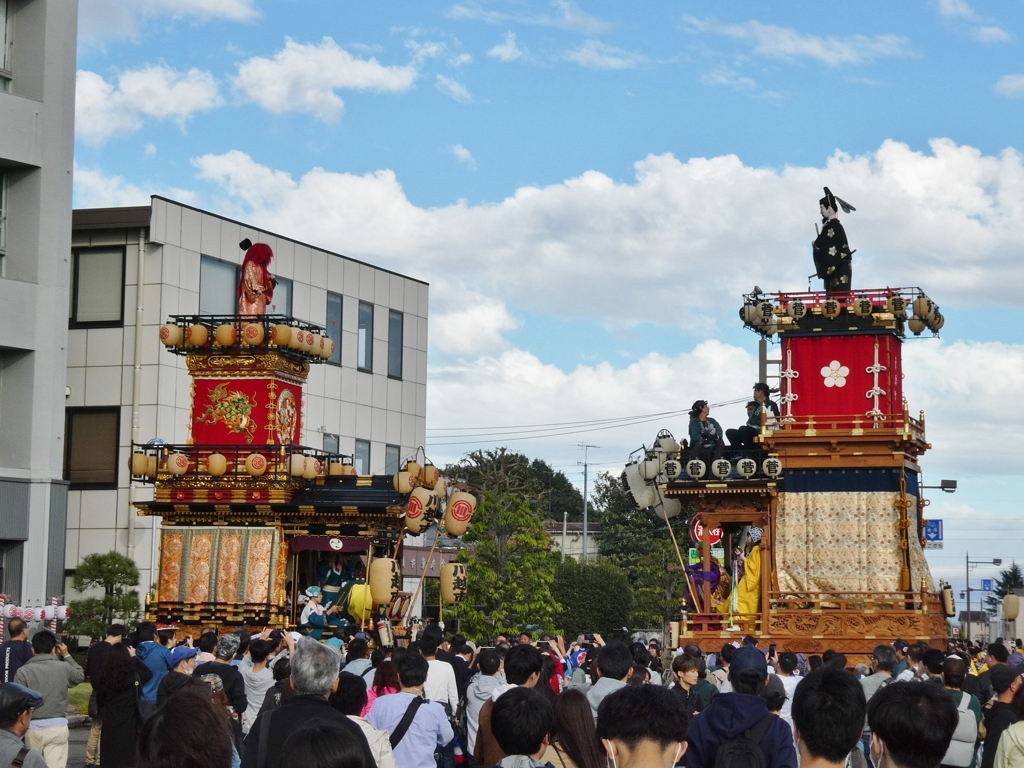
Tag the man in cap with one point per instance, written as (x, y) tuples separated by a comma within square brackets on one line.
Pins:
[(234, 683), (184, 659), (731, 715), (1005, 680), (16, 705), (51, 671)]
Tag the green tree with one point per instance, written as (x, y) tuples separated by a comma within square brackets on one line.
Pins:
[(594, 596), (561, 497), (508, 555), (1009, 578), (117, 576), (639, 543)]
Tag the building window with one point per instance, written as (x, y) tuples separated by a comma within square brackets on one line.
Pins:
[(3, 204), (362, 457), (364, 356), (91, 447), (218, 286), (334, 326), (97, 287), (331, 443), (392, 459), (395, 322), (281, 303), (5, 46)]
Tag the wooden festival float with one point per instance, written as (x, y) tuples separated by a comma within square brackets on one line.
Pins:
[(831, 489), (250, 517)]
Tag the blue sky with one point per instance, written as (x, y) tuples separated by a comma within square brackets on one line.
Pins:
[(589, 187)]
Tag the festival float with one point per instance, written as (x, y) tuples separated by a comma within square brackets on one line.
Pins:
[(810, 536), (258, 529)]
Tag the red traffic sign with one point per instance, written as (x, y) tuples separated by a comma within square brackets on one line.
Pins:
[(714, 535)]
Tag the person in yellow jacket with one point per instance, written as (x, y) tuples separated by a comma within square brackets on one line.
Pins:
[(748, 589), (1010, 753)]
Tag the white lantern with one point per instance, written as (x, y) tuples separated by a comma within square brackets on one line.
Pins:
[(721, 468), (668, 508), (862, 306), (650, 469), (917, 325), (772, 467), (673, 469), (177, 463), (796, 309), (695, 468), (831, 308), (746, 467), (896, 305), (765, 312)]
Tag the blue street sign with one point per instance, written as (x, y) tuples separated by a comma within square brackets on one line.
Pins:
[(986, 585), (933, 531)]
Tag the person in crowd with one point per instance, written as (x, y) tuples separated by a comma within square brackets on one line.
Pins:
[(440, 685), (686, 673), (258, 678), (350, 700), (643, 727), (962, 752), (733, 714), (186, 732), (385, 681), (417, 726), (521, 721), (883, 664), (915, 671), (743, 437), (704, 687), (464, 654), (94, 662), (124, 674), (828, 708), (911, 725), (221, 666), (155, 656), (16, 705), (282, 689), (522, 668), (207, 645), (615, 663), (774, 695), (337, 638), (786, 670), (572, 742), (244, 639), (814, 661), (51, 671), (1016, 654), (314, 676), (720, 677), (996, 655), (359, 664), (999, 714), (218, 696), (705, 434), (322, 747), (479, 692), (933, 659), (900, 646), (1010, 752), (183, 657), (15, 651)]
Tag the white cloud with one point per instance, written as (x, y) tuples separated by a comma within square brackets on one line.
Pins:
[(150, 150), (113, 19), (461, 59), (104, 109), (1011, 86), (95, 189), (726, 77), (304, 77), (428, 49), (453, 89), (955, 9), (464, 156), (594, 54), (568, 16), (991, 35), (507, 50), (788, 43), (469, 324)]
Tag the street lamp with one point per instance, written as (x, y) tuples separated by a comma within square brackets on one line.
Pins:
[(946, 486), (971, 563)]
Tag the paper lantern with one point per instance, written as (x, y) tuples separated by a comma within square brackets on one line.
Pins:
[(668, 508), (923, 307), (948, 602), (721, 468), (343, 469), (772, 467), (311, 468), (673, 469), (296, 465), (226, 335), (296, 339), (650, 469), (862, 306), (29, 614), (309, 342), (695, 468), (765, 312), (196, 336), (177, 463), (429, 475), (746, 467), (666, 443), (385, 580), (454, 583), (896, 305), (171, 335), (831, 308), (1011, 606), (360, 601), (281, 335), (796, 309), (326, 347), (459, 513), (748, 313), (938, 321), (405, 482), (433, 503), (216, 464), (441, 488), (416, 509), (12, 611), (916, 325), (771, 327), (255, 464), (252, 334), (413, 469), (151, 467), (645, 497), (138, 463), (674, 633)]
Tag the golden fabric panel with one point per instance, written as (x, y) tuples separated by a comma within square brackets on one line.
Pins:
[(170, 566), (260, 559)]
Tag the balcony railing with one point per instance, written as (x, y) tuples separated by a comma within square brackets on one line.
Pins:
[(234, 464)]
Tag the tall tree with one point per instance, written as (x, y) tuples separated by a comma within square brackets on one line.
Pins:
[(1010, 577), (508, 555), (561, 497), (595, 597), (117, 576)]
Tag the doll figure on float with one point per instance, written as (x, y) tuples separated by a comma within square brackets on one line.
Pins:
[(256, 288)]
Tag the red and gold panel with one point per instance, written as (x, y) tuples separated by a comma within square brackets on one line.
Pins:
[(260, 410)]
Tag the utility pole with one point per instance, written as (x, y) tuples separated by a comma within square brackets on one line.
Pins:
[(585, 447)]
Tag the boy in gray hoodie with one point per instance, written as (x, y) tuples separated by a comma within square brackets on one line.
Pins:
[(615, 664)]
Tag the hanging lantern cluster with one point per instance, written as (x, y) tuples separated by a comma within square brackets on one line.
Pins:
[(252, 334)]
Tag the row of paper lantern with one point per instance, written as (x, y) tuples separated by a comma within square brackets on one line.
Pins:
[(255, 465), (252, 335), (385, 582), (424, 505), (762, 314), (44, 613)]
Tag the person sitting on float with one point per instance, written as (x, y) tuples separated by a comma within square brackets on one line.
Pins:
[(743, 437), (315, 618), (705, 433)]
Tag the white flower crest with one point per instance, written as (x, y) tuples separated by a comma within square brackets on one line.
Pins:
[(835, 374)]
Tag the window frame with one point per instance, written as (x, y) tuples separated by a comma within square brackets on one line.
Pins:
[(69, 414), (397, 464), (73, 321), (204, 257), (367, 351), (6, 45), (392, 314), (337, 443), (4, 176), (335, 358), (369, 456), (291, 295)]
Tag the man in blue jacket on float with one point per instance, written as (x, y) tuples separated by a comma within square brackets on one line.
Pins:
[(742, 711)]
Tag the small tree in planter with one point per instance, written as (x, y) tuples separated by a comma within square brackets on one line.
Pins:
[(117, 576)]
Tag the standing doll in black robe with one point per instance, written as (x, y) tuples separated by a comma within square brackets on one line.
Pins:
[(832, 254)]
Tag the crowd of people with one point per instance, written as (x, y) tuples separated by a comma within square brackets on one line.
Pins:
[(278, 699)]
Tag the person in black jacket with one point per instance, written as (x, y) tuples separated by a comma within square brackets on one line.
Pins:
[(999, 714), (234, 683), (314, 676)]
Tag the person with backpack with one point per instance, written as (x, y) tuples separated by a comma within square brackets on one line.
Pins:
[(737, 730), (962, 752)]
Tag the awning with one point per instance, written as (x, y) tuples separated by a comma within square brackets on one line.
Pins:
[(342, 544)]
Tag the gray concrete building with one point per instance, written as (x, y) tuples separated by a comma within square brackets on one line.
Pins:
[(37, 110), (134, 267)]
